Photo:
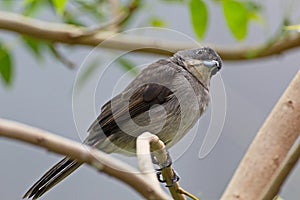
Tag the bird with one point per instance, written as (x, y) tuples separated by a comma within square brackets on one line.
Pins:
[(166, 99)]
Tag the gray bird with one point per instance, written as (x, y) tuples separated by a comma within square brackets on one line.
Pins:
[(166, 98)]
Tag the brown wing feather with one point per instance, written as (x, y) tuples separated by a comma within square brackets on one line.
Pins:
[(135, 100), (141, 101)]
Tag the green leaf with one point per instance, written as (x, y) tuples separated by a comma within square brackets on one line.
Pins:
[(7, 4), (157, 22), (128, 66), (199, 17), (292, 28), (5, 65), (173, 1), (59, 56), (70, 18), (26, 2), (254, 10), (31, 7), (253, 6), (237, 18), (92, 9), (59, 5), (36, 46)]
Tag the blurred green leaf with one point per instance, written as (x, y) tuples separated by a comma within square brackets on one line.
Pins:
[(70, 18), (31, 7), (254, 10), (253, 6), (91, 8), (59, 56), (237, 18), (73, 22), (157, 22), (26, 2), (128, 66), (292, 28), (36, 46), (199, 17), (5, 65), (59, 5), (256, 18), (173, 1), (7, 4)]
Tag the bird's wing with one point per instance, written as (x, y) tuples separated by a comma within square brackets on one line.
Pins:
[(137, 98)]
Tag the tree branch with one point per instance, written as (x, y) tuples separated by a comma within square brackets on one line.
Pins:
[(70, 34), (282, 173), (269, 150), (120, 18), (144, 159), (147, 142), (97, 159)]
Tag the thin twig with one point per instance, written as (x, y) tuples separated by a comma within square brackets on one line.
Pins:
[(69, 34), (119, 18), (91, 30), (63, 59), (131, 9), (186, 193), (97, 159)]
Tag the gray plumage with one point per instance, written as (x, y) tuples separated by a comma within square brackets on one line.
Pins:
[(166, 98)]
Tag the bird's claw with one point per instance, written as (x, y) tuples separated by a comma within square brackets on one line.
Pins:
[(174, 180), (166, 164)]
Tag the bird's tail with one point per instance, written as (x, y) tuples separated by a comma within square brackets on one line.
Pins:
[(56, 174)]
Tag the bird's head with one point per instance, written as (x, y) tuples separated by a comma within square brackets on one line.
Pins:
[(203, 62)]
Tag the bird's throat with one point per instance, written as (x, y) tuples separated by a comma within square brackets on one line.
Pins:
[(194, 68)]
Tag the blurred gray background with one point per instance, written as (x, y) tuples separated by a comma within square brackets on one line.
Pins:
[(41, 96)]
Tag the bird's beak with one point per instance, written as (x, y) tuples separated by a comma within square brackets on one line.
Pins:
[(214, 65), (211, 63)]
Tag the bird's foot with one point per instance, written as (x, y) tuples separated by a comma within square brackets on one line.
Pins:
[(174, 180), (167, 163)]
